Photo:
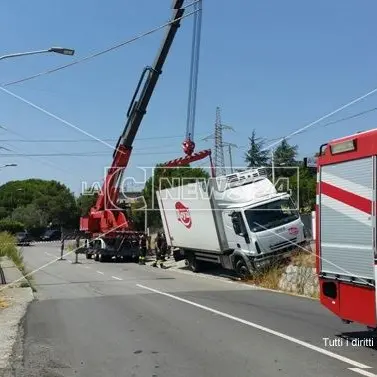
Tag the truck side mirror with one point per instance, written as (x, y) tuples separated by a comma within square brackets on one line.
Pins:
[(236, 224), (239, 227)]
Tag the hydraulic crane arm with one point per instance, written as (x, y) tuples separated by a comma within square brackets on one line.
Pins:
[(102, 216), (138, 107)]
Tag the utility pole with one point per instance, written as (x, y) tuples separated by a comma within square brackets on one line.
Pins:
[(230, 146), (219, 160)]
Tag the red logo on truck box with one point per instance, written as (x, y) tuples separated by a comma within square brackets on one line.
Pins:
[(183, 214)]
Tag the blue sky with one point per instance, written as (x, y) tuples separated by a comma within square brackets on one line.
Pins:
[(270, 65)]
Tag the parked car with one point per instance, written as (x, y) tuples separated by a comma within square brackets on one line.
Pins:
[(51, 235), (23, 239)]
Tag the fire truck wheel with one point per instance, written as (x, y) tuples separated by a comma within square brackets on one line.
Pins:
[(242, 270)]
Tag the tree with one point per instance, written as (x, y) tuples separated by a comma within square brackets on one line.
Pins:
[(256, 156), (52, 198), (304, 190), (164, 178), (86, 201), (10, 226), (31, 216), (285, 154)]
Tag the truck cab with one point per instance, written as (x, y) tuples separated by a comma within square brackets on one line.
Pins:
[(260, 232)]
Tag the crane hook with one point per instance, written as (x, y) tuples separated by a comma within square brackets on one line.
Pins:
[(188, 146)]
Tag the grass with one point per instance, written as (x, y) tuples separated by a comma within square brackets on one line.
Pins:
[(71, 247), (270, 276), (303, 258), (8, 248)]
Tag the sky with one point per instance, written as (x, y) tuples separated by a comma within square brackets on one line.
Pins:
[(270, 65)]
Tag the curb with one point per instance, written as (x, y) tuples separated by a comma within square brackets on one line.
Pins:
[(241, 283), (12, 316), (11, 319)]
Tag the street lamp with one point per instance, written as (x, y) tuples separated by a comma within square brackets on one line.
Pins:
[(57, 50), (7, 165)]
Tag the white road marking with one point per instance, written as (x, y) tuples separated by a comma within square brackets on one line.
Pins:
[(357, 366), (115, 277), (100, 272), (363, 372), (87, 267)]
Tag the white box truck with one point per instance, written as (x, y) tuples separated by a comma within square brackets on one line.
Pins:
[(239, 221)]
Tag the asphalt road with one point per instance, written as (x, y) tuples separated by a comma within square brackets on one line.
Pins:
[(114, 319)]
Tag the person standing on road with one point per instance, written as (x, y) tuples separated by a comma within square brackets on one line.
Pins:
[(142, 248), (164, 249), (158, 246)]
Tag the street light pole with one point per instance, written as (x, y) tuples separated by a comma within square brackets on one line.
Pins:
[(273, 164), (7, 165), (56, 50)]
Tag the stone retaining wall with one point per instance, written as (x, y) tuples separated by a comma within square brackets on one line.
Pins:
[(300, 280)]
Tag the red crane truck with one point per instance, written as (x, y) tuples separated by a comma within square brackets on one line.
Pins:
[(346, 227), (109, 229)]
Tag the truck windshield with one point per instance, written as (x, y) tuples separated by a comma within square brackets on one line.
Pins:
[(271, 215)]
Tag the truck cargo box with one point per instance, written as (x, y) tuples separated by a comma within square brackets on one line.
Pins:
[(191, 218)]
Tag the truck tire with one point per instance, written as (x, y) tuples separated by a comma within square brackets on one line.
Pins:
[(88, 256), (242, 270), (96, 257), (193, 263)]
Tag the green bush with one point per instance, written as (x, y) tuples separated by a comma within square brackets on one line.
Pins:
[(8, 248), (11, 226)]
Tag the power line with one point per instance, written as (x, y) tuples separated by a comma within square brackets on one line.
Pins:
[(300, 130), (347, 118), (76, 154), (45, 161), (280, 138), (85, 140), (112, 48)]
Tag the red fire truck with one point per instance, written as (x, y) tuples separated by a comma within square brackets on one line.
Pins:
[(346, 227)]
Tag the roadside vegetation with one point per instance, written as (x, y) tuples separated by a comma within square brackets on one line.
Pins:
[(269, 276), (272, 277), (8, 248)]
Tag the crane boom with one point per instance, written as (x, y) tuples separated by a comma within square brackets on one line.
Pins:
[(138, 107), (104, 215)]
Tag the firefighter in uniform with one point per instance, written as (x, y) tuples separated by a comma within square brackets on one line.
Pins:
[(142, 248), (159, 250), (164, 249)]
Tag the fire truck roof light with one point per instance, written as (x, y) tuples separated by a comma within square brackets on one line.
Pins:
[(345, 146)]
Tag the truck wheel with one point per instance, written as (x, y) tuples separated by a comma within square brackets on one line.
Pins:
[(102, 258), (194, 264), (88, 256), (242, 270), (96, 258)]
